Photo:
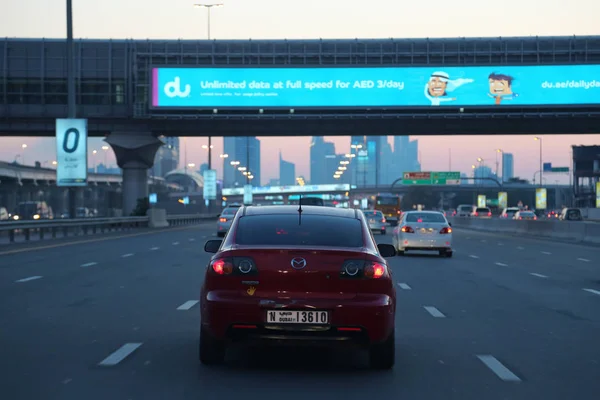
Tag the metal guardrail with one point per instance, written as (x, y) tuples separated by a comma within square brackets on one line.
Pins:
[(74, 227)]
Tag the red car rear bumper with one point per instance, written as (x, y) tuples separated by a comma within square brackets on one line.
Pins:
[(365, 318)]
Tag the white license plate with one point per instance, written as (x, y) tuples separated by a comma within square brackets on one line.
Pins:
[(298, 317), (371, 221)]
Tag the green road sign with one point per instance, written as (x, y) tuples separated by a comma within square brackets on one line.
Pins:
[(560, 169), (431, 178)]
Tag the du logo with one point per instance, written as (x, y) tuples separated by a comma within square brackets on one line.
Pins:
[(173, 89)]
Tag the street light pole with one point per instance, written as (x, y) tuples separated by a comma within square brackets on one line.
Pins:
[(501, 164), (539, 139), (71, 103)]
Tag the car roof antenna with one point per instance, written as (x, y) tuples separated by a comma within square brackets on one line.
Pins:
[(300, 211)]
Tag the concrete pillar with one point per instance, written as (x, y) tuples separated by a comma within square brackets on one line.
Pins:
[(135, 152)]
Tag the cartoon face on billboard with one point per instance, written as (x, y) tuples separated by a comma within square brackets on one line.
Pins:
[(439, 85), (501, 87)]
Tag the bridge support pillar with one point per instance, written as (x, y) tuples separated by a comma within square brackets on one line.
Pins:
[(135, 154)]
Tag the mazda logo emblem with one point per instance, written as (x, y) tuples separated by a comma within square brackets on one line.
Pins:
[(298, 263)]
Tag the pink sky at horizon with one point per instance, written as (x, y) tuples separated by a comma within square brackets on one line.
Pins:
[(438, 153)]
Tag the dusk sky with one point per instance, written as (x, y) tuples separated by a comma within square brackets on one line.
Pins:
[(243, 19)]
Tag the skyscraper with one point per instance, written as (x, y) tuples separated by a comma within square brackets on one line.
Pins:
[(167, 157), (508, 166), (238, 149), (319, 171), (287, 172)]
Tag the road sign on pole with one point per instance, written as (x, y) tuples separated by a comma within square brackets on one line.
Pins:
[(431, 178)]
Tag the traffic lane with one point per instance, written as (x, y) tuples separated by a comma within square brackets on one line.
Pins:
[(561, 266), (168, 356), (84, 321), (551, 349), (63, 259)]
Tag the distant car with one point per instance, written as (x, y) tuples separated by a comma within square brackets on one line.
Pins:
[(4, 216), (312, 201), (423, 231), (524, 214), (571, 214), (376, 220), (465, 210), (482, 212), (509, 212), (286, 277), (225, 219)]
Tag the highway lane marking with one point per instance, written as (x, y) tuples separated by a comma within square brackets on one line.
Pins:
[(404, 286), (434, 312), (546, 252), (119, 355), (500, 244), (592, 291), (498, 368), (538, 275), (175, 243), (501, 264), (154, 248), (192, 240), (472, 256), (31, 278), (127, 255), (54, 246), (483, 240), (520, 248), (583, 259), (90, 264), (187, 305)]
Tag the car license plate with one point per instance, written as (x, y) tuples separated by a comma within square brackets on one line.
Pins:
[(371, 221), (298, 317)]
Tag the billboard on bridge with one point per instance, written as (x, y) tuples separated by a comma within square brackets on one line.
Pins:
[(358, 87)]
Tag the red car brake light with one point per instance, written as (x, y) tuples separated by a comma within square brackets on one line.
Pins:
[(222, 219), (477, 214), (383, 220), (489, 214), (446, 230), (407, 229), (235, 266), (357, 269)]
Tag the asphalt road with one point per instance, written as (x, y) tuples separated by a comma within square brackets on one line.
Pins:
[(505, 318)]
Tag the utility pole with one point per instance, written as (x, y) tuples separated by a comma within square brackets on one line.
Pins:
[(71, 99)]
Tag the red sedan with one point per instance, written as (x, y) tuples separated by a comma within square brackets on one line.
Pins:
[(289, 275)]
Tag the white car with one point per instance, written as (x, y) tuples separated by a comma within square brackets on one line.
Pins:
[(423, 231)]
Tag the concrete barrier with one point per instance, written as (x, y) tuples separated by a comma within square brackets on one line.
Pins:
[(585, 232), (157, 218)]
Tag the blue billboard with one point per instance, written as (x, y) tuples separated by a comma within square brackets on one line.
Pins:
[(375, 87)]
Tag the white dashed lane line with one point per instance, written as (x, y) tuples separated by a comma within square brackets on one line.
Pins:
[(119, 355), (31, 278), (583, 259), (538, 275), (404, 286), (175, 243), (501, 264), (90, 264), (472, 256), (192, 240), (498, 368), (155, 248), (592, 291), (187, 305), (127, 255), (434, 312), (546, 252), (520, 248), (500, 244)]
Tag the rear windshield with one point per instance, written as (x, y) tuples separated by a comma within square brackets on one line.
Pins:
[(387, 201), (285, 230), (372, 213), (465, 208), (425, 217), (482, 210), (311, 201), (230, 211), (527, 214)]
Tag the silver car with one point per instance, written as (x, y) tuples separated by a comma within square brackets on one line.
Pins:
[(225, 220), (423, 231), (376, 221)]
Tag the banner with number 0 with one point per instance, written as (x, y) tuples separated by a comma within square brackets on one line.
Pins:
[(71, 152)]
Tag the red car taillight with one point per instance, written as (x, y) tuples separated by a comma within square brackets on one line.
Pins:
[(446, 230), (234, 266), (489, 214), (383, 220), (222, 219), (477, 214), (359, 269), (407, 229)]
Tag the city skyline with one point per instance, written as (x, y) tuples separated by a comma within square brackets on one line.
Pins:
[(437, 153)]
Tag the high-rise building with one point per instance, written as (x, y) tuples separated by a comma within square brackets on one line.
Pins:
[(508, 166), (357, 144), (167, 157), (319, 152), (240, 149), (406, 156), (287, 172), (373, 173)]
